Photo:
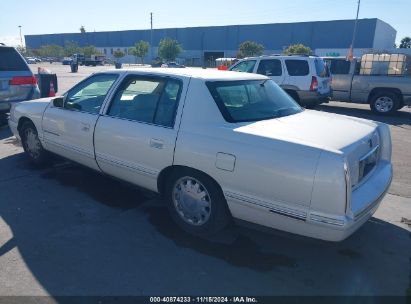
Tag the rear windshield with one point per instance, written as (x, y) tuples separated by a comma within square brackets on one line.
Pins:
[(10, 60), (251, 100), (321, 68)]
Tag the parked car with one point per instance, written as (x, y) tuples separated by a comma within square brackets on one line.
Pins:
[(305, 78), (172, 65), (30, 60), (218, 145), (66, 61), (17, 82), (381, 80)]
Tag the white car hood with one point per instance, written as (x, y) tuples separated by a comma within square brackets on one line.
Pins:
[(318, 129)]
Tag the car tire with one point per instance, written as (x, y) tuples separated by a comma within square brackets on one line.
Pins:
[(32, 145), (294, 95), (384, 103), (196, 202)]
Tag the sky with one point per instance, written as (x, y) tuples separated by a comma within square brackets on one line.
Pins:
[(58, 16)]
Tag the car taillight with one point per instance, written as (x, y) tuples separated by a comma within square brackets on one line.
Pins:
[(314, 84), (20, 80)]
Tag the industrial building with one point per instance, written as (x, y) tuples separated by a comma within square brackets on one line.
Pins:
[(203, 44)]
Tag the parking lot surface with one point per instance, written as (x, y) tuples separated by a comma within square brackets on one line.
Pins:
[(67, 230)]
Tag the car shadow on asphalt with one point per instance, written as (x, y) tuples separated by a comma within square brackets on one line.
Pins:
[(4, 132), (83, 233), (396, 119)]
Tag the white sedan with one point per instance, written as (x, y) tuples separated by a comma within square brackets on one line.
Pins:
[(219, 146)]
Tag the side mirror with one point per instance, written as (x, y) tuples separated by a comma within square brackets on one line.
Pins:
[(58, 102)]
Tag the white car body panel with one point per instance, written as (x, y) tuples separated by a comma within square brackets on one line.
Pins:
[(70, 134), (296, 173)]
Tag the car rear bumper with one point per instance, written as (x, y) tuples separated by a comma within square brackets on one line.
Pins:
[(313, 98), (329, 227)]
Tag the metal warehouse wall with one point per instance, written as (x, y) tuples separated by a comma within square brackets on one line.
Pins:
[(321, 34)]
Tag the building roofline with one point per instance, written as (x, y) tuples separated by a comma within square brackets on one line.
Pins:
[(215, 26)]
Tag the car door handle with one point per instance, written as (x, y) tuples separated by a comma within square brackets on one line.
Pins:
[(156, 143), (85, 127)]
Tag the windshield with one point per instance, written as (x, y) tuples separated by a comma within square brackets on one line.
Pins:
[(251, 100)]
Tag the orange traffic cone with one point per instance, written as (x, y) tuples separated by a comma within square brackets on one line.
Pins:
[(52, 92)]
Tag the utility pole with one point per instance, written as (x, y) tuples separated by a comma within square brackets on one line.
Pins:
[(151, 35), (351, 53), (21, 38)]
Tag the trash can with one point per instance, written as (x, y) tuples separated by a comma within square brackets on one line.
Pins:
[(45, 81), (74, 67)]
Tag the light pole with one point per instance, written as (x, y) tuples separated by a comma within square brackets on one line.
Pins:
[(151, 36), (351, 52), (21, 38)]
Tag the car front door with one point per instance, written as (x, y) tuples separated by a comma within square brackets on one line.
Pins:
[(68, 127), (341, 78), (135, 138)]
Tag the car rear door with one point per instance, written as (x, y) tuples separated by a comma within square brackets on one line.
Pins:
[(17, 82), (272, 68), (298, 73), (69, 129), (135, 138)]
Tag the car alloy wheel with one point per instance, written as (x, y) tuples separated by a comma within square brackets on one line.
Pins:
[(32, 143), (192, 201), (384, 104)]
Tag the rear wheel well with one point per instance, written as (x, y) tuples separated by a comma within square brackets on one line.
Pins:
[(395, 91), (167, 172)]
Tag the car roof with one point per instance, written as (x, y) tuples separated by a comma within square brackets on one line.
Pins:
[(199, 73), (299, 56)]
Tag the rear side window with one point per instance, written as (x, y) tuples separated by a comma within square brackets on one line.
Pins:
[(270, 67), (297, 67), (340, 67), (10, 60), (244, 66), (152, 100), (321, 68)]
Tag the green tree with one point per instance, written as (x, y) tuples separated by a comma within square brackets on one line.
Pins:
[(90, 50), (24, 51), (298, 49), (169, 49), (250, 48), (51, 50), (405, 43), (71, 48), (140, 50), (118, 54)]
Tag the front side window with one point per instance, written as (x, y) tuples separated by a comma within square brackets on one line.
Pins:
[(89, 95), (270, 67), (251, 100), (297, 67), (246, 66), (147, 99)]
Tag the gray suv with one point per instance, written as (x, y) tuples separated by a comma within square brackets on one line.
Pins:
[(17, 82)]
